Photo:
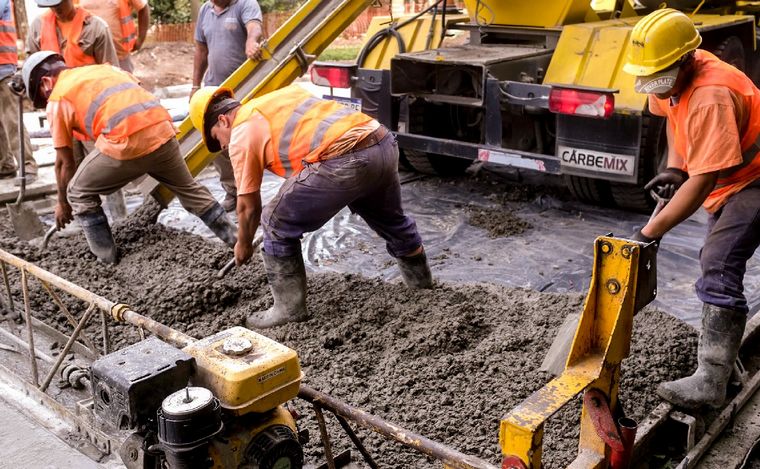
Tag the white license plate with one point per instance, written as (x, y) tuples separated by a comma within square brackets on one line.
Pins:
[(351, 103), (597, 161), (510, 159)]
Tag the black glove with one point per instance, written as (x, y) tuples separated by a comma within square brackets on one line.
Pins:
[(667, 182), (642, 238)]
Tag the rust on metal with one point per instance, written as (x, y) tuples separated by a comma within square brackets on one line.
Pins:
[(446, 455)]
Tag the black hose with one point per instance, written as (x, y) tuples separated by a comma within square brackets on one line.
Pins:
[(391, 30)]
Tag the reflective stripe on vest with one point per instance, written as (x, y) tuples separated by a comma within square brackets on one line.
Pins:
[(302, 126), (712, 71), (73, 55), (8, 40), (128, 29), (108, 102)]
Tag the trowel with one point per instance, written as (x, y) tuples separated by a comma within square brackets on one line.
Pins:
[(24, 219), (556, 358)]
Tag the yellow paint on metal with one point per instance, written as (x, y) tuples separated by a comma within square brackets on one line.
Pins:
[(280, 67), (528, 12), (415, 36), (593, 54), (263, 375), (601, 341), (231, 452)]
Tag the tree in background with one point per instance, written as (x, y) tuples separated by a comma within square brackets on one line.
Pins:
[(278, 5), (22, 23), (170, 11)]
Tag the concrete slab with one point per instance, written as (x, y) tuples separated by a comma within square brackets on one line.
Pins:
[(27, 445)]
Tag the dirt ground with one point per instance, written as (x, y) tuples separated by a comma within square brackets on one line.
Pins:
[(448, 362), (164, 64)]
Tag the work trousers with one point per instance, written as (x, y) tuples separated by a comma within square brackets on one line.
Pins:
[(733, 235), (100, 175), (223, 166), (365, 180), (9, 137)]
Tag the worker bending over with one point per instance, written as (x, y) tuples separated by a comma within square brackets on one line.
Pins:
[(713, 113), (332, 157), (133, 136), (77, 35)]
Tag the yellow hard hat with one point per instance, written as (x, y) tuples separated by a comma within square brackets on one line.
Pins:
[(659, 40), (204, 116)]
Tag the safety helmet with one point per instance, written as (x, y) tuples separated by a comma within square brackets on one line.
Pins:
[(659, 40), (35, 67), (48, 3), (206, 105)]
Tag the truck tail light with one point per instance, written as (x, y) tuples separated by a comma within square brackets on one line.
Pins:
[(332, 75), (581, 103)]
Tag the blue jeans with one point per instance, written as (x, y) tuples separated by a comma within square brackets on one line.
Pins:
[(733, 235), (366, 181)]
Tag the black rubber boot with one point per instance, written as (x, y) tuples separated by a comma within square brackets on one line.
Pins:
[(719, 342), (218, 222), (98, 233), (415, 271), (287, 280)]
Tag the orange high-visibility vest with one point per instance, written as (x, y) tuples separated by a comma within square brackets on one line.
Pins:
[(8, 39), (302, 126), (108, 101), (73, 55), (709, 70), (128, 28)]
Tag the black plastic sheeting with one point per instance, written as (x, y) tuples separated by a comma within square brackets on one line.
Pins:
[(554, 255)]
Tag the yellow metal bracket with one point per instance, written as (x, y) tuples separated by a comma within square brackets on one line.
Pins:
[(621, 283)]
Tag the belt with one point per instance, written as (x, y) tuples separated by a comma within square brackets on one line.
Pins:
[(371, 139)]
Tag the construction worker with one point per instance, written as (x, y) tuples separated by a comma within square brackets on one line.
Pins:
[(133, 136), (332, 157), (10, 140), (713, 118), (227, 33), (80, 37), (127, 37)]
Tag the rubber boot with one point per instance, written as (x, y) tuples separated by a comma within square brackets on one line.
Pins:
[(719, 342), (218, 222), (415, 271), (287, 280), (98, 233)]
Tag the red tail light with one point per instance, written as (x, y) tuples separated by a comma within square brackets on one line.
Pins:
[(332, 75), (581, 103)]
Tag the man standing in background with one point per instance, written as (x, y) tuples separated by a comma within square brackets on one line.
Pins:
[(127, 37), (227, 33), (80, 37), (9, 136)]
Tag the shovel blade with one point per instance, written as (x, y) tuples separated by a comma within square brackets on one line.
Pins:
[(25, 221), (556, 357)]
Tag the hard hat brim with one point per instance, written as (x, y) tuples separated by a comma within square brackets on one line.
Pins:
[(48, 3), (657, 83)]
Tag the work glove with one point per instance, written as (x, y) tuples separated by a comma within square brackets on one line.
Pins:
[(642, 238), (667, 182)]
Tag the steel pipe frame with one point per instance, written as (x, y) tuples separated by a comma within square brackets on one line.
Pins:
[(448, 456)]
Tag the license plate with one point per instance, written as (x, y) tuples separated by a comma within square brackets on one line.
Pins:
[(511, 159), (597, 161), (351, 103)]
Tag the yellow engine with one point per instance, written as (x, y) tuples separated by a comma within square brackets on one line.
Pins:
[(218, 402)]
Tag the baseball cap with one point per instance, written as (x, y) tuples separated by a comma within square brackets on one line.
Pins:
[(48, 3), (659, 82)]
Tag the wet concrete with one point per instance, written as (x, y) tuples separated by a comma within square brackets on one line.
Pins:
[(448, 363)]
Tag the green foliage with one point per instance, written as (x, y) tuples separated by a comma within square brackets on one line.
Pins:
[(268, 6), (340, 54), (170, 11)]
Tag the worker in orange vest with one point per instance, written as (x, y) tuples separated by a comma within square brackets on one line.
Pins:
[(79, 36), (10, 140), (332, 157), (127, 37), (133, 136), (713, 122)]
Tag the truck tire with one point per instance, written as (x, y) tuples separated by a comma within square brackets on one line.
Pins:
[(589, 190), (653, 158), (731, 51), (437, 165)]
